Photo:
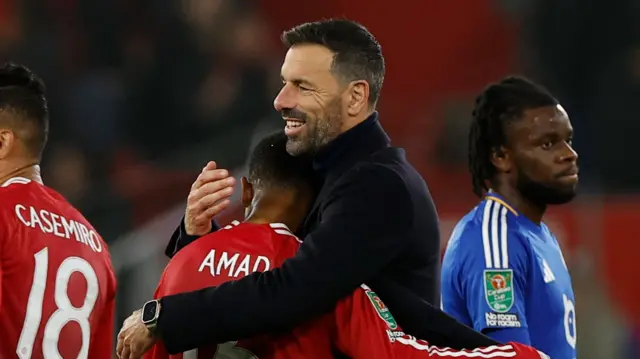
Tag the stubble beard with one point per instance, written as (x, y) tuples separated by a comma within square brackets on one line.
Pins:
[(541, 194), (319, 133)]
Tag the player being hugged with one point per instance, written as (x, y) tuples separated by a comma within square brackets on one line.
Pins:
[(277, 195), (503, 272), (56, 279)]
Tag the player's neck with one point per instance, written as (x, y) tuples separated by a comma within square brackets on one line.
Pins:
[(259, 217), (279, 210), (30, 171), (272, 216), (533, 211)]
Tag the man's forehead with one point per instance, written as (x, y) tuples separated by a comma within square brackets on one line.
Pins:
[(541, 120), (307, 59), (545, 115)]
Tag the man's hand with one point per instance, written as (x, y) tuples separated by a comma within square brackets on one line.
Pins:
[(131, 320), (208, 197), (134, 338)]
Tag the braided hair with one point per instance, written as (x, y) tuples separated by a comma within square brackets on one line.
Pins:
[(498, 105)]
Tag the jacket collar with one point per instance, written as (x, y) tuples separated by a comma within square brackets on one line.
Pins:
[(352, 146)]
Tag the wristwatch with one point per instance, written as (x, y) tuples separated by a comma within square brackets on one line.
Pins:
[(150, 314)]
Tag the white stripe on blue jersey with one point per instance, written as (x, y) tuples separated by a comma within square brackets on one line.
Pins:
[(494, 235), (493, 240)]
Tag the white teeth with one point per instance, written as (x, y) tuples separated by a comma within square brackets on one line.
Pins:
[(294, 124)]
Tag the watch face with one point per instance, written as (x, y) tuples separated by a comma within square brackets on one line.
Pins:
[(149, 311)]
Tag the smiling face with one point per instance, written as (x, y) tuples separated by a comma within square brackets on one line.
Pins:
[(539, 158), (310, 100)]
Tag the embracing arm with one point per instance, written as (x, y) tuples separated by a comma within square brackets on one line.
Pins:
[(430, 323), (335, 259)]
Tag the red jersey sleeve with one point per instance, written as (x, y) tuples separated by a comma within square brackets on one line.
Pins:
[(364, 328)]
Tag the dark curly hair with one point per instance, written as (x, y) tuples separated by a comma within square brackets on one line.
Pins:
[(499, 104), (270, 165)]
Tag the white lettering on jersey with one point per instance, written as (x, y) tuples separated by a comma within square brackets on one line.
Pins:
[(228, 265), (570, 321), (57, 225), (503, 320)]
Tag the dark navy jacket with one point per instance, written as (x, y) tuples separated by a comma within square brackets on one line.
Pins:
[(373, 222)]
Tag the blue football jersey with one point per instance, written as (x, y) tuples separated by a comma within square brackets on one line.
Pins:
[(501, 271)]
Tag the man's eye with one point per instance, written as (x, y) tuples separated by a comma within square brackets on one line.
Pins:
[(547, 145)]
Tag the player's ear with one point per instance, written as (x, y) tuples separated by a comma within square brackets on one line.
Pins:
[(358, 97), (501, 159), (7, 140), (247, 192)]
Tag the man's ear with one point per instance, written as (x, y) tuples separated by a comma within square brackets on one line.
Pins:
[(7, 142), (358, 97), (247, 192), (501, 159)]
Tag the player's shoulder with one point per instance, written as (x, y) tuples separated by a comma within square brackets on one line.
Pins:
[(18, 195), (546, 232), (38, 215), (391, 183), (262, 230), (387, 172), (241, 235), (15, 187), (493, 226), (490, 217), (6, 185), (21, 189), (37, 207)]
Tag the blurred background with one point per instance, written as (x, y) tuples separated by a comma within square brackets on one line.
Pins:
[(144, 92)]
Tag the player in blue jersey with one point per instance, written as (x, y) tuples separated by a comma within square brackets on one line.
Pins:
[(503, 272)]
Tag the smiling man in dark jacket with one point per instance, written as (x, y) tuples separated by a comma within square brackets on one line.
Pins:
[(373, 221)]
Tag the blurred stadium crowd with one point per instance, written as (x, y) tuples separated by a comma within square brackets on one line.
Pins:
[(143, 93)]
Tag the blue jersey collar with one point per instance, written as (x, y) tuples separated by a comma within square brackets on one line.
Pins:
[(498, 198)]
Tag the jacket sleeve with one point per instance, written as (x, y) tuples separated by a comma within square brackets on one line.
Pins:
[(363, 331), (180, 238), (363, 220), (430, 323)]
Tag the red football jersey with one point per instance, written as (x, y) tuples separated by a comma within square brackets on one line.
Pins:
[(231, 253), (58, 286), (361, 326)]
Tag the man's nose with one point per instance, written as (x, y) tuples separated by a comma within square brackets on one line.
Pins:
[(286, 98), (569, 154)]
